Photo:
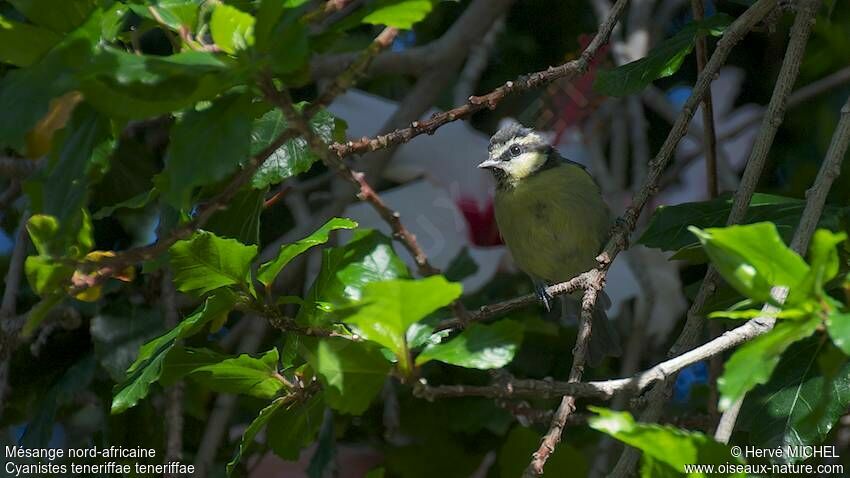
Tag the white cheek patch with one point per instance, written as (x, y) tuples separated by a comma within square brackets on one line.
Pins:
[(525, 164)]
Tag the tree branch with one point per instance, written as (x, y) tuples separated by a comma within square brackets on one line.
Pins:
[(695, 321), (815, 200), (474, 104)]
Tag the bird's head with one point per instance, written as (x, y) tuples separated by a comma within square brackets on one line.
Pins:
[(516, 153)]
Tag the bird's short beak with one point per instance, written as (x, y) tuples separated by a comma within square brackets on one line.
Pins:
[(490, 164)]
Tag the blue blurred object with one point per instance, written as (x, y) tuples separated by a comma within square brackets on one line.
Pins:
[(403, 41), (696, 374), (678, 95), (5, 244)]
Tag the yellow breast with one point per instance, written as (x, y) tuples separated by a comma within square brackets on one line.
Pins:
[(554, 222)]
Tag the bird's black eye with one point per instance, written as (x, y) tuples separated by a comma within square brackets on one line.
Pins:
[(515, 150)]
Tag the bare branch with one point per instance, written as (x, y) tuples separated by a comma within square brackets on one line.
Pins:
[(569, 70), (709, 137), (695, 321), (815, 200)]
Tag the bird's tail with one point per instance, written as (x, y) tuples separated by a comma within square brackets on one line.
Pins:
[(604, 339)]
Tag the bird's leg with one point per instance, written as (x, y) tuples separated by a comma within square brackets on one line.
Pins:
[(542, 294)]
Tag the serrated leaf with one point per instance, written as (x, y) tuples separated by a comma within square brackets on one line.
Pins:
[(753, 259), (293, 428), (231, 28), (802, 402), (478, 346), (669, 445), (243, 375), (388, 308), (147, 367), (206, 262), (753, 363), (662, 61), (352, 373), (368, 257), (268, 271), (206, 146), (294, 156)]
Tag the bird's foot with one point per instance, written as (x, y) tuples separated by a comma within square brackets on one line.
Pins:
[(544, 296)]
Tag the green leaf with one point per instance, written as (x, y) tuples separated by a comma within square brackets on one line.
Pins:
[(25, 93), (398, 13), (367, 258), (240, 219), (43, 230), (22, 44), (173, 13), (231, 28), (66, 189), (479, 346), (668, 228), (206, 262), (292, 429), (47, 276), (754, 362), (283, 37), (823, 257), (352, 373), (61, 16), (669, 445), (802, 402), (753, 259), (148, 365), (207, 146), (253, 429), (662, 61), (388, 308), (125, 85), (244, 375), (269, 270), (136, 202), (294, 156), (118, 331), (838, 326)]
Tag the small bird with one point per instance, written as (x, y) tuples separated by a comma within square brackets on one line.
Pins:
[(552, 217)]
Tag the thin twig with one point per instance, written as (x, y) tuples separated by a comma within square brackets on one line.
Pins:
[(174, 393), (122, 260), (568, 402), (474, 104), (695, 321), (709, 137), (815, 200)]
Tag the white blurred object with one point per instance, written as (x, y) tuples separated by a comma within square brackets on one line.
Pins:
[(448, 158), (440, 228), (438, 171), (734, 151)]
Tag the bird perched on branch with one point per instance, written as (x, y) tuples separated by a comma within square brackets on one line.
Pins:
[(552, 217)]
